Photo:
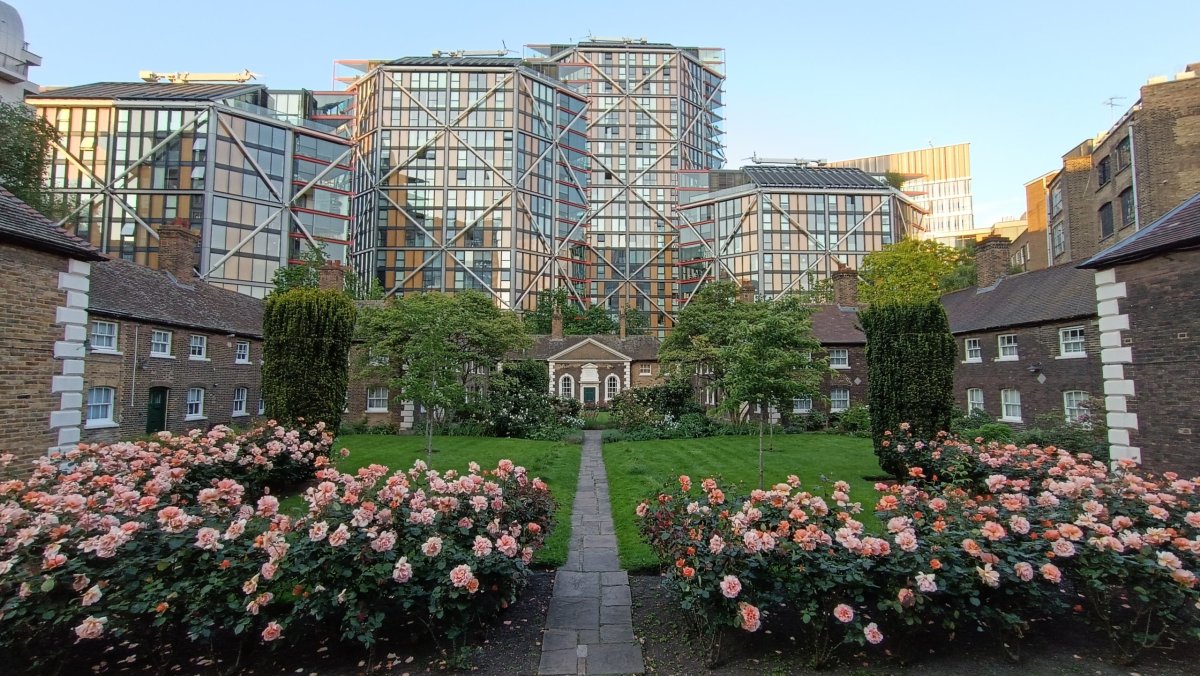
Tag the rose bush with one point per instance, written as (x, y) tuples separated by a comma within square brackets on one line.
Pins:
[(987, 537), (143, 542)]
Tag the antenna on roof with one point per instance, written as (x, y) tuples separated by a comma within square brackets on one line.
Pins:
[(1112, 104)]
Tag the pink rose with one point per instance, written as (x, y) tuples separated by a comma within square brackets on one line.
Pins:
[(731, 586), (750, 616), (432, 546), (507, 545), (272, 632), (339, 536), (874, 636), (843, 613), (92, 627), (482, 546), (461, 576)]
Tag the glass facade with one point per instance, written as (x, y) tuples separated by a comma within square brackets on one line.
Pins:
[(249, 179)]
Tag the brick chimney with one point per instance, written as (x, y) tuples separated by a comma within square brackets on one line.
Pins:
[(746, 292), (177, 251), (556, 322), (331, 275), (621, 322), (991, 260), (845, 286)]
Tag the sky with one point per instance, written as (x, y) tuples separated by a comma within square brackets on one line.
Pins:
[(1022, 82)]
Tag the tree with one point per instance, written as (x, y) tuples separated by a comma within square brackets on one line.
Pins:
[(306, 347), (438, 347), (306, 275), (914, 270), (25, 150), (910, 373), (577, 321)]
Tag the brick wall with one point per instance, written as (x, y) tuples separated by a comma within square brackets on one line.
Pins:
[(1167, 146), (131, 371), (1163, 308), (1037, 346), (29, 296)]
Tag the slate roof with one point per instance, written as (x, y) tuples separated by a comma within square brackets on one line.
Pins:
[(19, 222), (637, 348), (811, 177), (835, 325), (130, 291), (164, 91), (1178, 229), (1053, 294)]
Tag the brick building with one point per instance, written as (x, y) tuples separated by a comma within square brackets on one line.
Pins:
[(1148, 301), (1029, 344), (166, 350), (1131, 175), (44, 295)]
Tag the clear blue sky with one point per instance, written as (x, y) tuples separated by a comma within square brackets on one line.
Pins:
[(1023, 82)]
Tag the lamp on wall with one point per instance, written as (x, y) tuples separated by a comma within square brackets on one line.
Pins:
[(1035, 367)]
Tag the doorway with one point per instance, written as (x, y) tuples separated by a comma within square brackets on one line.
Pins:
[(156, 410), (589, 394)]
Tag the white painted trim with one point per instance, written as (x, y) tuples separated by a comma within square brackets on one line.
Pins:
[(1113, 355), (587, 341), (70, 352)]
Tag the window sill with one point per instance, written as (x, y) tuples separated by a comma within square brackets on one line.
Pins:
[(100, 425), (190, 418), (245, 362), (239, 414), (840, 368), (376, 410), (190, 358), (113, 353), (838, 410), (801, 412), (1011, 420), (1007, 359), (972, 361), (161, 356), (1078, 355)]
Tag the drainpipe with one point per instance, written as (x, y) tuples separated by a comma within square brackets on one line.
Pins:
[(1137, 219), (133, 376)]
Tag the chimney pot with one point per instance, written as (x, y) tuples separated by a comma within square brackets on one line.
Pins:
[(177, 251), (845, 286)]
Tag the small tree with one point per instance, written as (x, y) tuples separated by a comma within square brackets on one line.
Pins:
[(25, 149), (306, 347), (910, 373), (913, 271), (306, 275)]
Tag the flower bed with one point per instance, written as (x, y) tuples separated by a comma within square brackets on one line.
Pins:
[(164, 541), (982, 537)]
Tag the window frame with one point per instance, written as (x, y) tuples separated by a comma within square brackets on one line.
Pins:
[(797, 407), (237, 352), (1106, 209), (1128, 207), (1062, 343), (1067, 408), (563, 380), (198, 403), (100, 422), (612, 387), (169, 343), (245, 392), (645, 369), (373, 395), (116, 330), (967, 349), (203, 344), (834, 363), (833, 399), (1001, 347), (1005, 403), (973, 405)]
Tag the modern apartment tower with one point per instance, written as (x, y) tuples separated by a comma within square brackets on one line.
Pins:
[(470, 173), (257, 184), (782, 228), (654, 119), (15, 57)]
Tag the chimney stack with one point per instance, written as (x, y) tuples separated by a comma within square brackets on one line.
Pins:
[(177, 251), (845, 286), (746, 292), (556, 323), (331, 275), (621, 322), (991, 260)]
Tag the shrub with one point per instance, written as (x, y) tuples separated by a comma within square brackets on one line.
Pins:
[(306, 346), (854, 421)]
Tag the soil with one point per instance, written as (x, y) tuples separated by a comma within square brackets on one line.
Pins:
[(668, 647)]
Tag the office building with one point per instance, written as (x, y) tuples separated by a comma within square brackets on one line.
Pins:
[(255, 183), (15, 57)]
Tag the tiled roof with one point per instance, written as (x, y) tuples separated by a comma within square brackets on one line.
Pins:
[(834, 325), (19, 222), (637, 348), (462, 61), (1053, 294), (163, 91), (811, 177), (1179, 228), (127, 290)]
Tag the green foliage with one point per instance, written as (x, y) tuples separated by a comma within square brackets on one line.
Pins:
[(306, 347), (25, 149), (530, 373), (305, 275), (980, 425), (855, 421), (594, 320), (910, 372), (914, 271), (1088, 435)]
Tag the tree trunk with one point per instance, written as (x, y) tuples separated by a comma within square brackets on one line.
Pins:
[(760, 453), (429, 434), (771, 435)]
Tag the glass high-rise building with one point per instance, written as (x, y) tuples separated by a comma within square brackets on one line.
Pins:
[(654, 119), (256, 183), (472, 173)]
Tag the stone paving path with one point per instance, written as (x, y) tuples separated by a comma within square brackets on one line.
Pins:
[(589, 627)]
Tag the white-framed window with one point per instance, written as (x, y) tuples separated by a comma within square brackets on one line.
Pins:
[(239, 400), (839, 399), (973, 350), (160, 343), (241, 353), (1070, 342), (100, 406), (1010, 401), (839, 358), (262, 404), (104, 336), (802, 405), (1075, 405), (710, 396), (377, 399), (198, 348), (612, 385), (195, 403), (566, 387), (974, 400), (645, 369), (1007, 344)]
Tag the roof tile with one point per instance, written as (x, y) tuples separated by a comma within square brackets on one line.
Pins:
[(21, 222), (1179, 228), (1053, 294)]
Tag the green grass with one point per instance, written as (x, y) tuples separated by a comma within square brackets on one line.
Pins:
[(639, 469), (596, 420), (557, 463)]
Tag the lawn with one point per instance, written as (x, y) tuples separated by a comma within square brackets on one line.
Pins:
[(638, 469), (557, 463)]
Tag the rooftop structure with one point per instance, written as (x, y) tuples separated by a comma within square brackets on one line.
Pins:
[(15, 57)]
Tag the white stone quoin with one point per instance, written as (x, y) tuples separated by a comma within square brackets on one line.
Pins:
[(70, 351), (1115, 353)]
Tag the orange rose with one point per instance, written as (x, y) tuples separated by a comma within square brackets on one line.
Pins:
[(689, 572), (935, 564), (679, 563)]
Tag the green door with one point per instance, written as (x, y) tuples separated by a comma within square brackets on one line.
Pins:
[(589, 394), (156, 411)]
